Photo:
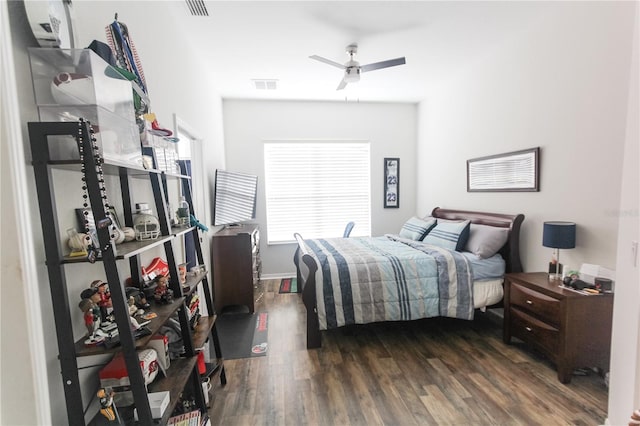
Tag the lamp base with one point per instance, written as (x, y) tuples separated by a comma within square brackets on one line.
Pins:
[(555, 271)]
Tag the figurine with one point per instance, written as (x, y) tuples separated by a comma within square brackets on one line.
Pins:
[(107, 407), (131, 303), (96, 298), (92, 319), (105, 303), (138, 296), (162, 293)]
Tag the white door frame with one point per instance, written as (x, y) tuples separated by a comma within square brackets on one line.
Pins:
[(12, 138)]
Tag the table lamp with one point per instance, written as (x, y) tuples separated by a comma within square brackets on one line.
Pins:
[(559, 235)]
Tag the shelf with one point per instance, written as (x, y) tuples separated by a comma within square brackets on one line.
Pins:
[(202, 330), (182, 376), (213, 368), (177, 175), (163, 312), (109, 167), (177, 376), (181, 230), (192, 282), (125, 250)]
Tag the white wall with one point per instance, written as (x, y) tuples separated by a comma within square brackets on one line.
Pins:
[(560, 83), (624, 391), (192, 98), (391, 129)]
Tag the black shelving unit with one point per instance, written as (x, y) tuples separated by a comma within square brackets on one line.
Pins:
[(183, 373)]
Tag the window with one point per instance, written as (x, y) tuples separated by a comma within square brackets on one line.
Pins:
[(316, 188)]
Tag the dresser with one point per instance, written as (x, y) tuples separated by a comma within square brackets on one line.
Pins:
[(572, 329), (236, 264)]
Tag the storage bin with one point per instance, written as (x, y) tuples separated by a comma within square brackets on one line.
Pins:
[(76, 83)]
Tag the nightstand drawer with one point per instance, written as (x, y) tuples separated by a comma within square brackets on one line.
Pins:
[(545, 307), (535, 332)]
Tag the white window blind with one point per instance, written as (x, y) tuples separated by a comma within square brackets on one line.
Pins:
[(316, 188)]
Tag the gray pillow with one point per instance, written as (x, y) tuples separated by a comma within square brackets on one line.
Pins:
[(485, 241)]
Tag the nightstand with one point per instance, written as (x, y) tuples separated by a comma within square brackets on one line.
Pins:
[(572, 329)]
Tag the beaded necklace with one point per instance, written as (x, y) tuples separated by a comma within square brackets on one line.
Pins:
[(93, 248)]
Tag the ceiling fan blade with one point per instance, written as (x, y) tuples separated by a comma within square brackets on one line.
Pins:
[(342, 85), (327, 61), (383, 64)]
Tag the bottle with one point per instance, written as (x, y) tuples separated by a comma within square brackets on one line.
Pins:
[(183, 212)]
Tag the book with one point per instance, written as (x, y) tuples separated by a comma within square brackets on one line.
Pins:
[(191, 418)]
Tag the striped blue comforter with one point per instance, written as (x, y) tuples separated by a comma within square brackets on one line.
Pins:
[(363, 280)]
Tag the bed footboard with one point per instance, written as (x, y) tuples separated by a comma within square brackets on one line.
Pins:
[(306, 268)]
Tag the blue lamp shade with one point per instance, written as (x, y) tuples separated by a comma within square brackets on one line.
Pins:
[(560, 235)]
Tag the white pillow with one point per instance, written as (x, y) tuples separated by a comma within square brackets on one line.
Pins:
[(485, 241)]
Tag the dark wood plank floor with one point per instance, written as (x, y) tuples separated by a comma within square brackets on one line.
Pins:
[(428, 372)]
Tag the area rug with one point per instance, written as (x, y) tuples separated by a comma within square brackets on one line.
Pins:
[(243, 335), (289, 285)]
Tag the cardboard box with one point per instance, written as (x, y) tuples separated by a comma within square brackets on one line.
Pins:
[(73, 83), (114, 375), (160, 343), (158, 401)]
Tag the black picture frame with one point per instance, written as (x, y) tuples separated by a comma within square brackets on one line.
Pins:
[(391, 182), (517, 171), (91, 225)]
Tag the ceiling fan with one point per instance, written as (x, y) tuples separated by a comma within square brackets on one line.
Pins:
[(352, 68)]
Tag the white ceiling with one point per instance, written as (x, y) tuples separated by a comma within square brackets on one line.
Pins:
[(244, 40)]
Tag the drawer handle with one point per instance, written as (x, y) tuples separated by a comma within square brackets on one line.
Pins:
[(529, 302), (529, 329)]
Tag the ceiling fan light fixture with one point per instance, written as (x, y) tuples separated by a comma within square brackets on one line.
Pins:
[(352, 75), (352, 68)]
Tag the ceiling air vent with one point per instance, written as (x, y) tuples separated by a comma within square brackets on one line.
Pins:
[(266, 84), (197, 7)]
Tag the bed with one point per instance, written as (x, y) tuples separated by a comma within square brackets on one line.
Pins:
[(404, 277)]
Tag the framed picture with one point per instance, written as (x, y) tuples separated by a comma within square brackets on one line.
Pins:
[(516, 171), (391, 183), (93, 233)]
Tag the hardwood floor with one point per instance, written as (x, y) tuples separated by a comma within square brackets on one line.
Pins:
[(428, 372)]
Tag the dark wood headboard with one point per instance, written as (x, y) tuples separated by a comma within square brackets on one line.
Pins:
[(511, 250)]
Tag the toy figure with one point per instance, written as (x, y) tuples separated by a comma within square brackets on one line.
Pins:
[(107, 407), (90, 319), (162, 293), (139, 297), (133, 309), (105, 303), (94, 295)]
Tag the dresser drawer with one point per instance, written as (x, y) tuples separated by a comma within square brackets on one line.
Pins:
[(544, 307), (535, 332)]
